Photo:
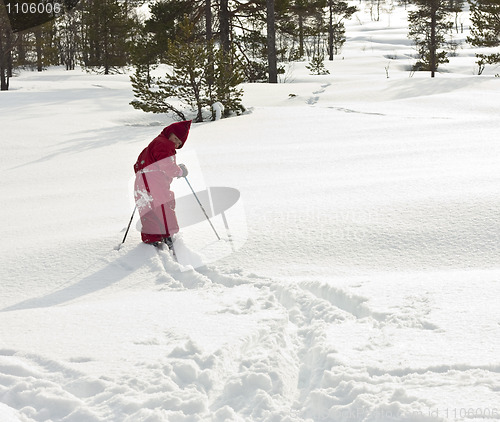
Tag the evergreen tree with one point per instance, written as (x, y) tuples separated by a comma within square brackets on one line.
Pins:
[(153, 95), (190, 60), (37, 48), (143, 52), (106, 34), (428, 26), (45, 46), (256, 26), (226, 72), (200, 76), (208, 20), (304, 12), (7, 42), (225, 25), (163, 25), (272, 59), (317, 66), (337, 12), (251, 44), (485, 32), (250, 38)]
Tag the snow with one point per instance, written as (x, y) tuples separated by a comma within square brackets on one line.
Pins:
[(364, 280)]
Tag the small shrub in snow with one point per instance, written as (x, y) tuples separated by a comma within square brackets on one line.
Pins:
[(317, 66)]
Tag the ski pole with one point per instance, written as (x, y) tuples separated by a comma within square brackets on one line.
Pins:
[(203, 209), (229, 235), (128, 227)]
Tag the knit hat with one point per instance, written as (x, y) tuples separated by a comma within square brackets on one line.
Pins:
[(179, 129)]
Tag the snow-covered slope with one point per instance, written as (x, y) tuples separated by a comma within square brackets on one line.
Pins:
[(366, 278)]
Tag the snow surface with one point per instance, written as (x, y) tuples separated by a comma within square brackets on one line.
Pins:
[(365, 282)]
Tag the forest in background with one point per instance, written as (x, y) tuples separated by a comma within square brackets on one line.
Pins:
[(212, 46)]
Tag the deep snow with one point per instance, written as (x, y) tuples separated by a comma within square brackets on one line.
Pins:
[(366, 281)]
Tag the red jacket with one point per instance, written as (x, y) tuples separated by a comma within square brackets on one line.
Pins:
[(156, 167), (161, 147)]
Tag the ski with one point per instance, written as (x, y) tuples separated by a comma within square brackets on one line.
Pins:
[(160, 247)]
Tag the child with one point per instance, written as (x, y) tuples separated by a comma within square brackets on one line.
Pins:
[(155, 168)]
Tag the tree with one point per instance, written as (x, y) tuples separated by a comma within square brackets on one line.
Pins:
[(302, 11), (337, 12), (69, 39), (456, 6), (200, 76), (485, 32), (428, 26), (143, 52), (45, 45), (106, 34), (374, 6), (7, 42), (317, 66), (252, 45), (163, 25), (271, 43), (225, 25), (226, 73), (249, 24), (189, 60), (153, 95), (208, 20)]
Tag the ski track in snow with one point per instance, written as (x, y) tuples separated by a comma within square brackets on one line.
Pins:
[(285, 369)]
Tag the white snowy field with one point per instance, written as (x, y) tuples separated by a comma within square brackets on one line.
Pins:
[(365, 286)]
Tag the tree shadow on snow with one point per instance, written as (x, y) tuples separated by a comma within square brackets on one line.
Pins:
[(94, 139)]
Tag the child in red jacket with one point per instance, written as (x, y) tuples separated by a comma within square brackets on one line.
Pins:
[(155, 169)]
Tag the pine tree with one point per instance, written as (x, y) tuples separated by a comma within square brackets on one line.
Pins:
[(225, 25), (143, 53), (7, 42), (272, 67), (302, 12), (337, 12), (485, 32), (45, 46), (189, 59), (428, 26), (163, 25), (153, 95), (106, 34), (226, 72), (200, 75), (317, 66)]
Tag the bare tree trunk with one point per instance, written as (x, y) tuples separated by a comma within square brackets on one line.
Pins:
[(433, 38), (208, 19), (330, 30), (38, 46), (10, 64), (4, 77), (5, 58), (224, 26), (7, 42), (21, 51), (301, 35), (271, 43)]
